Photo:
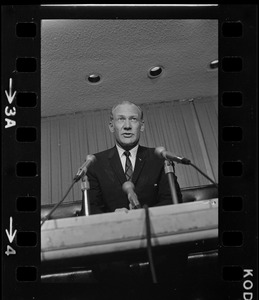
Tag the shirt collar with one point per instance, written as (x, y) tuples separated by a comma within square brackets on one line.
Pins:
[(133, 151)]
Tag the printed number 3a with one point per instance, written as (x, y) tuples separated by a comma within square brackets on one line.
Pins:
[(10, 250)]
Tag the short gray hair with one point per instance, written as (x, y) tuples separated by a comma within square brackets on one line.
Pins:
[(126, 102)]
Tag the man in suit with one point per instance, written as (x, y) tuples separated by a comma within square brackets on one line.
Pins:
[(145, 170), (139, 164)]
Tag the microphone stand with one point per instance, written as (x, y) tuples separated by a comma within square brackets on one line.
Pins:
[(170, 171), (85, 203)]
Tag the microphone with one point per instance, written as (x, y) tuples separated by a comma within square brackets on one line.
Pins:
[(128, 188), (160, 151), (82, 170)]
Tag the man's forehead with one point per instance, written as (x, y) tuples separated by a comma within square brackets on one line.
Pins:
[(126, 109)]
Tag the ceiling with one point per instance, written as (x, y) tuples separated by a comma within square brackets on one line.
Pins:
[(122, 52)]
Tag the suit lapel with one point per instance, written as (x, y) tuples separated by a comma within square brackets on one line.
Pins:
[(140, 161), (115, 163)]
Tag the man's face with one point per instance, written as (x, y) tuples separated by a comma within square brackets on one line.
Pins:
[(126, 125)]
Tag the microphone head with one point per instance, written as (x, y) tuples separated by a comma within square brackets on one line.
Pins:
[(159, 151), (91, 158), (127, 185)]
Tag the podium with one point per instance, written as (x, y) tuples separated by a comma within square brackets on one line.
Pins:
[(94, 235)]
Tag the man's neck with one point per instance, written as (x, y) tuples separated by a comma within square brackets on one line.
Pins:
[(126, 148)]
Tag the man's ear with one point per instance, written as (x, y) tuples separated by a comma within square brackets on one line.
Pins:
[(111, 127), (142, 127)]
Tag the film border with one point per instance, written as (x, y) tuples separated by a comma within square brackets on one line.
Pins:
[(233, 260), (238, 159)]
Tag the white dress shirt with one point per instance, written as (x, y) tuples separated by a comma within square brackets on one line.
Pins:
[(132, 157)]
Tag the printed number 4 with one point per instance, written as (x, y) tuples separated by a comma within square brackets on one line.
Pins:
[(10, 250)]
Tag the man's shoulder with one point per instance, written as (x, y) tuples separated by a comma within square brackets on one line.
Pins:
[(148, 149), (148, 152), (102, 158), (105, 153)]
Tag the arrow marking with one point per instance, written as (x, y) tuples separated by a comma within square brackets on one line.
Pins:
[(9, 96), (11, 234)]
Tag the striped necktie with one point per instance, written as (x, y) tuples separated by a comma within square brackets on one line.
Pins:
[(128, 166)]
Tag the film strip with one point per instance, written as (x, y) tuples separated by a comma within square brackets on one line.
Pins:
[(238, 267), (21, 144)]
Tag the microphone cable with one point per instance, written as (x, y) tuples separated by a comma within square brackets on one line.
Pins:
[(89, 160), (149, 245), (57, 204)]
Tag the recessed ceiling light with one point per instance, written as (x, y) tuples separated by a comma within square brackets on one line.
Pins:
[(93, 78), (214, 64), (154, 72)]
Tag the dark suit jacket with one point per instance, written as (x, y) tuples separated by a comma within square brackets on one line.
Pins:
[(106, 177)]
